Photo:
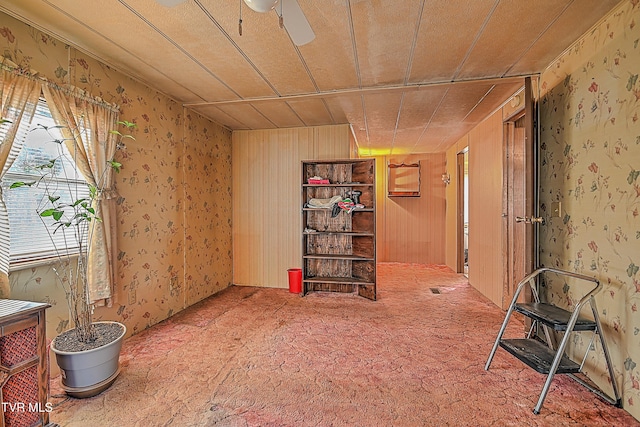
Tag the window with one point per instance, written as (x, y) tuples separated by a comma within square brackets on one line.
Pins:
[(30, 239)]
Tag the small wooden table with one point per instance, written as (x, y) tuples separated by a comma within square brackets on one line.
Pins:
[(24, 368)]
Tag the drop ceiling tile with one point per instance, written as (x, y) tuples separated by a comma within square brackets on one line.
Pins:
[(578, 18), (279, 113), (381, 111), (406, 140), (384, 34), (330, 58), (312, 112), (418, 107), (447, 31), (194, 31), (248, 115), (459, 102), (346, 109), (217, 115), (265, 45), (506, 38), (128, 45)]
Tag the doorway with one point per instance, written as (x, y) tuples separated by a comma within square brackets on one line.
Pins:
[(462, 170), (520, 223)]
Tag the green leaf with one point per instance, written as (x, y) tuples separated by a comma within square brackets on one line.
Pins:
[(53, 212), (3, 121), (49, 165), (116, 165), (127, 124), (19, 184), (79, 201), (54, 199), (47, 212), (633, 175), (115, 132)]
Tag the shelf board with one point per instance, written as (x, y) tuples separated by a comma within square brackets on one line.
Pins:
[(329, 210), (344, 280), (340, 233), (337, 257), (344, 184)]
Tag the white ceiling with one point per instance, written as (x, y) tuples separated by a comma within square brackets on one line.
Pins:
[(409, 76)]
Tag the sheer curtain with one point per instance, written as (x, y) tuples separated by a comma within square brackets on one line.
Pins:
[(86, 124), (18, 96)]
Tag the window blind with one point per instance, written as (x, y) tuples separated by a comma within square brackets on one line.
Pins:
[(31, 238)]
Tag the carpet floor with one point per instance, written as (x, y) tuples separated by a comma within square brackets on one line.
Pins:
[(266, 357)]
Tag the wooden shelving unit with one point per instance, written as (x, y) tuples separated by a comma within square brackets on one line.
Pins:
[(339, 254)]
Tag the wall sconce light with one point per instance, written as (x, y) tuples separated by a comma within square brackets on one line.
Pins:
[(446, 178)]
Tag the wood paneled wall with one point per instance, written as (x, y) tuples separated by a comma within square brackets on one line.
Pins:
[(485, 207), (412, 229), (266, 197)]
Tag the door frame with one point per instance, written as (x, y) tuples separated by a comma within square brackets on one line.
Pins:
[(460, 203), (520, 195)]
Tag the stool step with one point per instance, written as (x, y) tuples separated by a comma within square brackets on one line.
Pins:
[(538, 356), (553, 316)]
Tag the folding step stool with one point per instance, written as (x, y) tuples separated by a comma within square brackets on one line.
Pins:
[(540, 355)]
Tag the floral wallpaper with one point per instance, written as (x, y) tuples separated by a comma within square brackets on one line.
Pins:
[(208, 209), (590, 153), (174, 210)]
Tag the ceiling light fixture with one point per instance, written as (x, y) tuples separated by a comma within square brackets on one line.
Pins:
[(290, 18), (261, 5)]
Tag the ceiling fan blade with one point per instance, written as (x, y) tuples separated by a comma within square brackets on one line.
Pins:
[(295, 22), (170, 3)]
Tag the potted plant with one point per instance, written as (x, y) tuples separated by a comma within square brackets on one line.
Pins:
[(88, 354)]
